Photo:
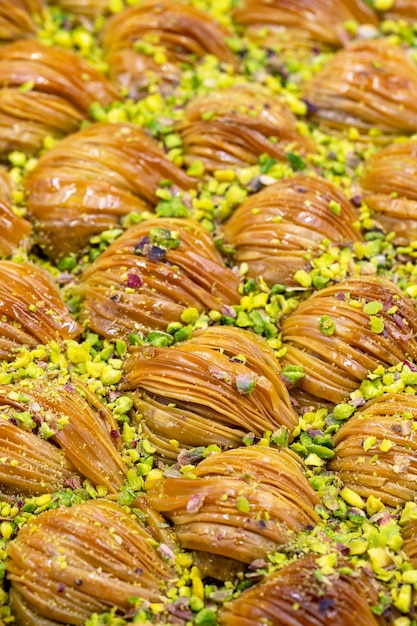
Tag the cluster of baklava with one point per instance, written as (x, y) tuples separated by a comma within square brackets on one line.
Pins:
[(207, 391)]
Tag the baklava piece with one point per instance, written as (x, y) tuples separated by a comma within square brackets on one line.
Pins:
[(14, 230), (212, 389), (298, 596), (342, 333), (274, 229), (151, 274), (66, 564), (31, 309), (88, 181), (241, 504), (370, 86), (83, 428), (321, 21), (232, 128), (155, 38), (45, 91), (31, 466), (389, 186), (375, 451), (17, 19)]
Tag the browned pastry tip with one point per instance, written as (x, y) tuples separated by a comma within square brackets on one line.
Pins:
[(83, 428), (274, 229), (88, 181), (336, 361), (232, 128), (211, 389), (138, 284), (68, 563), (319, 20), (241, 504), (389, 186), (31, 308), (375, 451), (295, 597), (368, 85)]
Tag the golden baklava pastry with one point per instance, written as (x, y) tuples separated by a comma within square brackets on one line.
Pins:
[(197, 265), (154, 39), (389, 189), (212, 389), (297, 596), (240, 504), (14, 230), (6, 186), (343, 332), (31, 465), (68, 563), (370, 86), (320, 21), (275, 229), (90, 179), (151, 274), (31, 309), (82, 427), (232, 128), (45, 91), (375, 451), (17, 19)]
